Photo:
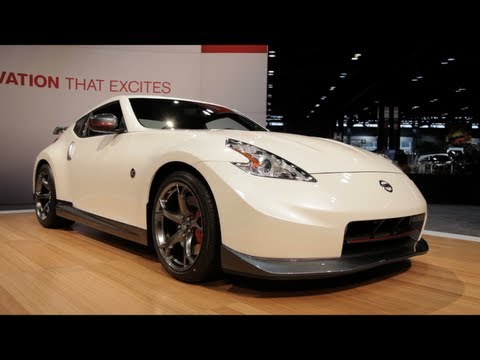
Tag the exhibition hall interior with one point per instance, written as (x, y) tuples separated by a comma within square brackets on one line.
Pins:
[(239, 175)]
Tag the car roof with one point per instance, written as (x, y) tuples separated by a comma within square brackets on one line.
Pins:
[(120, 97), (436, 154)]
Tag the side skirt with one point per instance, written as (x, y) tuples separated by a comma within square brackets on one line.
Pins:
[(66, 210)]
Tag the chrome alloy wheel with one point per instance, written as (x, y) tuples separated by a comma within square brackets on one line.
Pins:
[(43, 194), (178, 226)]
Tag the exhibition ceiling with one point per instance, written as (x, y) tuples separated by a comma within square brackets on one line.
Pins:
[(426, 80)]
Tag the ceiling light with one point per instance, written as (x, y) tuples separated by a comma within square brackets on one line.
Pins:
[(271, 55), (451, 59), (433, 100), (308, 116), (270, 86), (415, 107), (275, 123), (444, 63), (414, 79), (358, 55), (365, 108), (332, 88), (271, 52), (465, 108), (354, 58), (176, 101), (419, 77), (344, 74), (324, 97), (317, 105), (312, 111)]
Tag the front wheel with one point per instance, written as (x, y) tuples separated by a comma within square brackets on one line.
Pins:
[(45, 198), (185, 228)]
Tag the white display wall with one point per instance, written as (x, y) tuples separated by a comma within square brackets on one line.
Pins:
[(45, 86)]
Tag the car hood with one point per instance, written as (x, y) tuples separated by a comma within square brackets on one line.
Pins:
[(312, 154)]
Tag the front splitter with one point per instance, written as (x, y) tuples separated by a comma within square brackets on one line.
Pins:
[(284, 269)]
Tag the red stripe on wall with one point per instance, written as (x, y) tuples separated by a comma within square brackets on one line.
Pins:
[(234, 48)]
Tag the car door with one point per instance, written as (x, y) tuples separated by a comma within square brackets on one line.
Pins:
[(99, 169)]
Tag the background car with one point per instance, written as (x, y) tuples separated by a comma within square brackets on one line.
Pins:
[(435, 164), (212, 190)]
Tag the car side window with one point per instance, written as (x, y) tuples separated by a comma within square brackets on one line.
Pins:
[(112, 108), (80, 126)]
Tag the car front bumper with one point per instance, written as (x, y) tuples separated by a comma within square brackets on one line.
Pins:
[(237, 263), (279, 219)]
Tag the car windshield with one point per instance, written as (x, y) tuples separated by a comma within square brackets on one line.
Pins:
[(440, 158), (181, 114)]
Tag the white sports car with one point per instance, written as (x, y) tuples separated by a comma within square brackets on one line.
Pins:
[(212, 190)]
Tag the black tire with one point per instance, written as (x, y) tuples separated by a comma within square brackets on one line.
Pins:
[(188, 233), (45, 198)]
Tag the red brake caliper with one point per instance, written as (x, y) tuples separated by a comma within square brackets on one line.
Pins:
[(198, 232)]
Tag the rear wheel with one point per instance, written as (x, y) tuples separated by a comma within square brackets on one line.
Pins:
[(185, 228), (45, 198)]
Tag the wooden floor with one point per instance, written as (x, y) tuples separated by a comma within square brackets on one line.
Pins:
[(83, 271)]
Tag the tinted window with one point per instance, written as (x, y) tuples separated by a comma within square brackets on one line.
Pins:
[(440, 158), (225, 123), (179, 114), (80, 126)]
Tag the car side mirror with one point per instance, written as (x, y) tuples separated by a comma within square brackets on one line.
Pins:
[(59, 130), (103, 123)]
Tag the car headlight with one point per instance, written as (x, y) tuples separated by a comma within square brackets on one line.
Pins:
[(263, 163)]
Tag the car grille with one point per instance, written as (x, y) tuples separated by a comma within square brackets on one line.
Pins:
[(382, 234)]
